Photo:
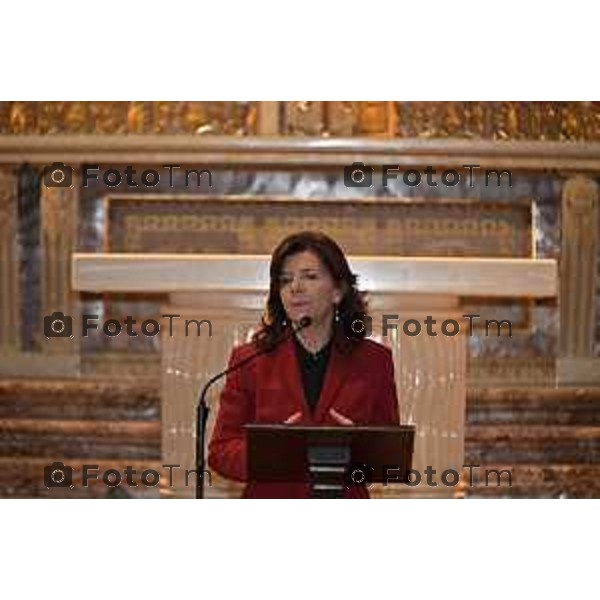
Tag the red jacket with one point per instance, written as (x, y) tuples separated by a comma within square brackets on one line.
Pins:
[(269, 389)]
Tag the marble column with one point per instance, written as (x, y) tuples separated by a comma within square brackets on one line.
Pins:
[(9, 263), (578, 280), (59, 233)]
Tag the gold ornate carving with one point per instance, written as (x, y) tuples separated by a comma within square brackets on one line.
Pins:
[(9, 288), (421, 120), (305, 118), (578, 266), (552, 121), (374, 118), (453, 119), (341, 118), (50, 116), (77, 118), (136, 117), (231, 118), (21, 117), (109, 117)]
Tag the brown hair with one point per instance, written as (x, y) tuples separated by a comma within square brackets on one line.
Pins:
[(331, 255)]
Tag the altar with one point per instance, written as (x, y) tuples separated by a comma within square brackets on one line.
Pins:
[(229, 291)]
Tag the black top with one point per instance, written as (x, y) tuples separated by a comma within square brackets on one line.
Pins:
[(313, 367)]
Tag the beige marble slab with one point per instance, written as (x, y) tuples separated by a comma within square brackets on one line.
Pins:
[(113, 272)]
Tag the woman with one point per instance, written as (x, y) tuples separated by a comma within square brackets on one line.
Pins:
[(325, 374)]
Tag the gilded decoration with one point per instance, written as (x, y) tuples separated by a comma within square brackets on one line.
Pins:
[(540, 121), (47, 118), (543, 121)]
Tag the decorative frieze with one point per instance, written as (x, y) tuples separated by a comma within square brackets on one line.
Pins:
[(49, 118)]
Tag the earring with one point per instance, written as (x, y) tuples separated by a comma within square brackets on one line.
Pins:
[(337, 315), (284, 322)]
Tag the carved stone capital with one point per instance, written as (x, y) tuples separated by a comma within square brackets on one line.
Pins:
[(580, 194)]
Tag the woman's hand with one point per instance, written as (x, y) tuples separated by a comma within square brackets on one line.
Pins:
[(293, 418), (340, 418)]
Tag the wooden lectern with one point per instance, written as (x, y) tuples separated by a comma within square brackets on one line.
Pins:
[(329, 458)]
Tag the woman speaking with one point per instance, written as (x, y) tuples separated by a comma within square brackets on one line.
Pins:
[(325, 374)]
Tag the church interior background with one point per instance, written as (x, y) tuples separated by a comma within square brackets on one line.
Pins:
[(531, 401)]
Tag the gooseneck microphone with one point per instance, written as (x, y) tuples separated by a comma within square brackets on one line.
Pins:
[(202, 408)]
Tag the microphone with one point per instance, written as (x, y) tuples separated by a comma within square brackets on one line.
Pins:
[(202, 408)]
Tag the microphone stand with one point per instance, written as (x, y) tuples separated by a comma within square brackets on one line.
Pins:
[(202, 408)]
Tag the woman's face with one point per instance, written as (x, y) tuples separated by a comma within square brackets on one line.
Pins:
[(307, 289)]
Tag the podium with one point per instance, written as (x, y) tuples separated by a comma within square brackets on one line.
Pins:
[(329, 458)]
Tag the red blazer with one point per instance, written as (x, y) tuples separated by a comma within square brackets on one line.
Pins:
[(269, 389)]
